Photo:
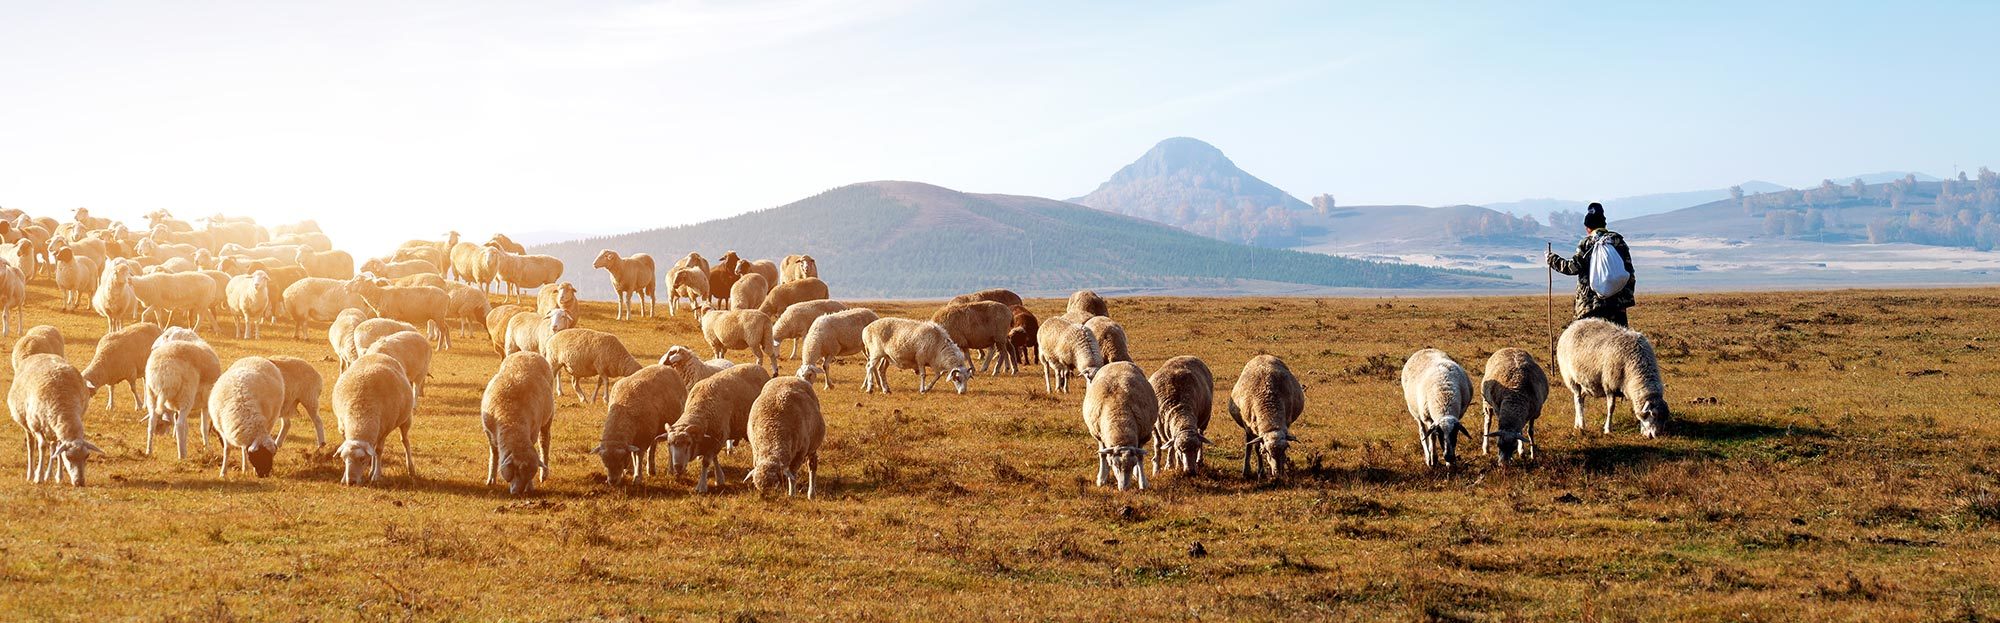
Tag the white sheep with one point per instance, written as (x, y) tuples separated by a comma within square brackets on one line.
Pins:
[(249, 297), (372, 329), (76, 276), (165, 295), (913, 345), (797, 319), (717, 412), (1266, 401), (1601, 359), (120, 357), (786, 430), (370, 399), (1067, 348), (1437, 392), (587, 353), (1120, 411), (740, 328), (316, 299), (790, 293), (633, 277), (13, 298), (690, 366), (556, 295), (749, 292), (114, 299), (516, 412), (39, 340), (528, 331), (340, 334), (410, 349), (1086, 302), (1186, 390), (1513, 391), (179, 372), (636, 414), (245, 402), (468, 306), (423, 306), (527, 272), (833, 335), (302, 387), (47, 399), (689, 283), (1110, 337), (796, 267)]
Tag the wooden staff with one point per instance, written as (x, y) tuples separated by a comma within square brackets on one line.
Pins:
[(1552, 303)]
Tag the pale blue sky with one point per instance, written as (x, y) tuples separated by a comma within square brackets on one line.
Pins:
[(596, 117)]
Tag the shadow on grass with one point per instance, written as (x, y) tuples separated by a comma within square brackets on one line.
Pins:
[(1610, 457), (1732, 431)]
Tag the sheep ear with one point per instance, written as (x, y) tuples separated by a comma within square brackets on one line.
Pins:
[(664, 438), (1461, 430), (632, 449), (1494, 435), (599, 450), (89, 447)]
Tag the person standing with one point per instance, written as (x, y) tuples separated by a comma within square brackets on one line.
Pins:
[(1588, 303)]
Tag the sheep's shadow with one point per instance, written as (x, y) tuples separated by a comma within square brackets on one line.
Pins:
[(1738, 431), (235, 484), (1609, 457)]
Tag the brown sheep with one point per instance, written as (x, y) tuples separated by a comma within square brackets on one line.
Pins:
[(792, 293), (1002, 296), (1022, 333), (723, 277), (980, 326)]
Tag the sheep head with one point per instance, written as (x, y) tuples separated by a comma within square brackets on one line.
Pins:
[(676, 356), (1186, 448), (1444, 438), (680, 448), (1128, 465), (807, 372), (72, 455), (1653, 416), (1272, 448), (519, 471), (359, 462), (605, 259), (617, 461), (960, 377), (560, 319), (262, 453), (767, 476), (1510, 444)]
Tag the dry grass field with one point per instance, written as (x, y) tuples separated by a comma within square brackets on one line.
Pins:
[(1834, 458)]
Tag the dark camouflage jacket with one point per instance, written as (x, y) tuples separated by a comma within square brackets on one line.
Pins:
[(1586, 298)]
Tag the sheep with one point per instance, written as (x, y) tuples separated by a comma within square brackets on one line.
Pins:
[(335, 264), (527, 332), (250, 298), (1514, 390), (218, 304), (503, 243), (162, 217), (76, 276), (423, 306), (1066, 349), (636, 414), (1086, 301), (515, 412), (40, 340), (307, 226), (468, 305), (374, 329), (796, 267), (395, 269), (88, 222), (1120, 411), (690, 366), (13, 298), (1002, 296), (527, 272), (587, 353), (981, 326), (1600, 359), (22, 256), (242, 405), (692, 260), (912, 345), (240, 265), (340, 334), (558, 295), (797, 319), (370, 399), (723, 276), (767, 268), (179, 372), (120, 358), (1265, 402), (749, 292), (1021, 334), (632, 277), (496, 325), (1186, 390), (166, 295), (717, 412), (686, 283), (438, 253), (268, 252), (302, 387), (316, 299), (422, 279), (113, 298), (791, 293), (47, 400), (468, 261), (786, 430), (240, 233), (413, 351), (1111, 337), (1437, 392), (742, 328)]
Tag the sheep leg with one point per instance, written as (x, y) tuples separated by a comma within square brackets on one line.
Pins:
[(545, 452), (701, 478), (1485, 428), (284, 424), (1610, 407), (1139, 474), (1576, 394), (812, 469), (1103, 465), (1424, 440), (225, 461), (492, 459), (1531, 439), (30, 473), (577, 384), (319, 428), (409, 458), (1048, 384), (181, 436)]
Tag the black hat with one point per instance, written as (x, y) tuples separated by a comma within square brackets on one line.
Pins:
[(1593, 216)]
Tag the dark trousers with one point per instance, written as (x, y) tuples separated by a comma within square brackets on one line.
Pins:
[(1615, 315)]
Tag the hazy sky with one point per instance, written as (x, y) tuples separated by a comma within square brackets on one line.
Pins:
[(597, 117)]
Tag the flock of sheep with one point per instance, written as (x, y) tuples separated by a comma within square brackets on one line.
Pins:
[(386, 320)]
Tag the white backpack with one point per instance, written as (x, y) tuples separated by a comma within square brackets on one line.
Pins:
[(1607, 268)]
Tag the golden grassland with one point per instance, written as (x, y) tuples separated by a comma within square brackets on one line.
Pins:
[(1833, 458)]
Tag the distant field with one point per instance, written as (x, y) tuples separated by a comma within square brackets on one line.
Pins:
[(1835, 459)]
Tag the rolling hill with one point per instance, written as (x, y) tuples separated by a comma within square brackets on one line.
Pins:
[(906, 239), (1191, 185)]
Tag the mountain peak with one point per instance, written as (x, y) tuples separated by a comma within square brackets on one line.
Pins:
[(1190, 184)]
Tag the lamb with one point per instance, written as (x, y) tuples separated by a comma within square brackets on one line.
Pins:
[(792, 293), (1111, 337), (717, 412), (981, 326), (767, 268), (796, 267), (335, 264), (468, 305), (302, 386), (370, 399), (413, 351), (1186, 390), (166, 295), (1067, 348), (797, 319), (1514, 391), (749, 292), (40, 340), (527, 332), (516, 411), (47, 400), (114, 299), (786, 430), (1120, 411), (558, 295), (1087, 302), (527, 272), (743, 328), (1021, 333), (631, 277), (13, 297), (690, 366), (587, 353), (249, 297), (1437, 393), (496, 325), (912, 345), (179, 372), (340, 334), (76, 276), (242, 406), (1266, 401), (398, 268), (1600, 359), (689, 283), (637, 413), (423, 306), (316, 299), (1002, 296), (120, 358)]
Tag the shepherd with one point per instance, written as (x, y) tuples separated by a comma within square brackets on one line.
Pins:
[(1603, 270)]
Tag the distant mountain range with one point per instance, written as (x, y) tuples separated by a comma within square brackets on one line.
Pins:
[(1189, 184), (1657, 203)]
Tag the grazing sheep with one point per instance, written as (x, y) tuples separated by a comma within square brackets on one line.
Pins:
[(1265, 402), (496, 325), (469, 306), (114, 299), (13, 298), (1110, 337), (767, 268), (166, 295), (1002, 296), (1067, 348), (527, 272), (503, 243), (749, 292), (786, 430), (370, 399), (689, 283), (631, 277), (690, 366), (723, 276), (413, 351), (340, 334), (796, 267), (423, 306), (1437, 392), (527, 331), (76, 276), (1514, 391), (587, 353), (742, 328), (397, 269), (437, 252), (912, 345), (1120, 411), (516, 411), (792, 293), (179, 372), (637, 413), (422, 279), (120, 358), (1600, 359), (1021, 332), (1186, 390), (249, 297), (1086, 301), (373, 330), (302, 387), (316, 299), (334, 264), (556, 295), (242, 406), (47, 399), (797, 319), (717, 412), (981, 326), (40, 340)]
